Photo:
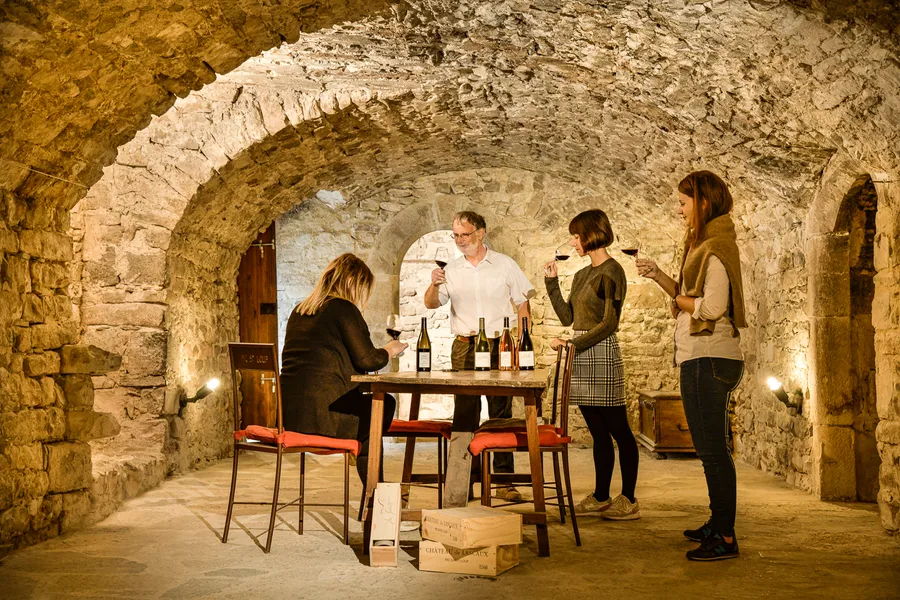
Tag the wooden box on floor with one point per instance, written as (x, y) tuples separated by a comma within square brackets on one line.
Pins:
[(489, 561), (664, 427), (472, 527), (384, 545)]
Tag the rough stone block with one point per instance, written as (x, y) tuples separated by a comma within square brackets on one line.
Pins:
[(146, 267), (14, 521), (829, 294), (7, 481), (888, 432), (14, 274), (32, 308), (46, 244), (88, 425), (10, 307), (75, 508), (43, 424), (36, 365), (68, 466), (18, 391), (9, 241), (133, 314), (48, 512), (49, 336), (77, 358), (78, 390), (146, 354), (836, 457), (25, 456), (830, 369), (47, 277)]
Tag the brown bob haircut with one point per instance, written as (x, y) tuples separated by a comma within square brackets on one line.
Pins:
[(711, 199), (593, 229)]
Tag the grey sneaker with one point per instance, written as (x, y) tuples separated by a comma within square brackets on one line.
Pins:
[(510, 494), (591, 505), (622, 509)]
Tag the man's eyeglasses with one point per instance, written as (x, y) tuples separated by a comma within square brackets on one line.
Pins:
[(462, 236)]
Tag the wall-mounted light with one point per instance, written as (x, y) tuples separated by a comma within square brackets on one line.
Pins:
[(208, 388), (778, 390)]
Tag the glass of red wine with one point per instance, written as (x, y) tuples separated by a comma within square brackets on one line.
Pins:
[(393, 326), (442, 257), (629, 245), (563, 252)]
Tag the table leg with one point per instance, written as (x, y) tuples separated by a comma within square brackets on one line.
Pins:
[(537, 473), (410, 452), (365, 514), (459, 468)]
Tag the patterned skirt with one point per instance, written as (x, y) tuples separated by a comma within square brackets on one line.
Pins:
[(598, 375)]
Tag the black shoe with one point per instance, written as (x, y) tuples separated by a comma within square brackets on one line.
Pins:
[(715, 548), (700, 534)]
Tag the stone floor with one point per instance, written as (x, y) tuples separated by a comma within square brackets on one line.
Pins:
[(166, 544)]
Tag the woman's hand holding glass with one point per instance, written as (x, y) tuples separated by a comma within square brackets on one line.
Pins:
[(550, 269), (395, 348), (647, 268)]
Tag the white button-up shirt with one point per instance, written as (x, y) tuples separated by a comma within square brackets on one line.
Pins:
[(491, 290)]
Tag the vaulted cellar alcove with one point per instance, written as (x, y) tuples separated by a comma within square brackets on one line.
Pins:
[(144, 149)]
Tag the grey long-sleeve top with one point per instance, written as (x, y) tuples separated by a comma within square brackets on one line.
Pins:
[(594, 304)]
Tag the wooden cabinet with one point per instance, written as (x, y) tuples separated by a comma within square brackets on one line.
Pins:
[(664, 427)]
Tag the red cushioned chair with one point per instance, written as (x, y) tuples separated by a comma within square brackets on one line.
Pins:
[(256, 438), (554, 438), (413, 429)]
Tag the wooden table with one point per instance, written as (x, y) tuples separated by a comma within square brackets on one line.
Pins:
[(528, 384)]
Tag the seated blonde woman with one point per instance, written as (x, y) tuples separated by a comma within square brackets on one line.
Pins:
[(327, 341)]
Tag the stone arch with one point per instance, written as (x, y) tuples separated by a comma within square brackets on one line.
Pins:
[(836, 336)]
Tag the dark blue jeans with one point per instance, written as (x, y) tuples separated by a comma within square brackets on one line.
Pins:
[(706, 386)]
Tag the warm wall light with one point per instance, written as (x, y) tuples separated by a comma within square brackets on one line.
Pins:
[(208, 388), (778, 390)]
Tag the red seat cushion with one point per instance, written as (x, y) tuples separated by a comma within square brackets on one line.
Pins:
[(291, 439), (547, 434), (442, 428)]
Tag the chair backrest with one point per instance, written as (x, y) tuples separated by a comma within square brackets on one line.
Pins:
[(254, 357), (562, 380)]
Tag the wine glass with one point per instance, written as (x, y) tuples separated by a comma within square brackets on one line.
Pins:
[(629, 244), (442, 256), (393, 326), (563, 252)]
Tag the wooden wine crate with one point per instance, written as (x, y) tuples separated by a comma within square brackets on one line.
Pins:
[(489, 561), (384, 543), (664, 427), (472, 527)]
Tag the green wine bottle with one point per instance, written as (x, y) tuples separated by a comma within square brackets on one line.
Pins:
[(482, 349), (423, 349)]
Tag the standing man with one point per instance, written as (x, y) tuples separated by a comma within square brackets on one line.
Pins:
[(481, 283)]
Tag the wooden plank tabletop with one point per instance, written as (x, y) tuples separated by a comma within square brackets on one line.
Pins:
[(536, 379)]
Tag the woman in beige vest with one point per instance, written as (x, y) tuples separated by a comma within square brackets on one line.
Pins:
[(708, 304)]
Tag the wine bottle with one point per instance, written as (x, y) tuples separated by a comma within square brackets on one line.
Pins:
[(506, 347), (482, 349), (526, 349), (423, 349)]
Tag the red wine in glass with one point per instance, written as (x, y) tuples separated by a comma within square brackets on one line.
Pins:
[(630, 251), (441, 263), (561, 256), (393, 333)]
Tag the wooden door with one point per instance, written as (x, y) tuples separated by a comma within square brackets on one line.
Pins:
[(258, 310)]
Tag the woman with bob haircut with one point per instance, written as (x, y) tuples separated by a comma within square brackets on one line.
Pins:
[(327, 341), (593, 309), (708, 304)]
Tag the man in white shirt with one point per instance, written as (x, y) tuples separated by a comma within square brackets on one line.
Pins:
[(481, 283)]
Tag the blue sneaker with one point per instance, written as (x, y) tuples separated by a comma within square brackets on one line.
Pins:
[(715, 547), (699, 534)]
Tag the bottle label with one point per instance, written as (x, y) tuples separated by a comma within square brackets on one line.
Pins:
[(506, 360), (526, 359), (424, 359), (482, 360)]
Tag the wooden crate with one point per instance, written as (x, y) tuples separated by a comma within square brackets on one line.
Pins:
[(472, 527), (384, 544), (664, 427), (489, 561)]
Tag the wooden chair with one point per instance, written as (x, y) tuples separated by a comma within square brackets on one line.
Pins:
[(554, 438), (257, 438), (413, 429)]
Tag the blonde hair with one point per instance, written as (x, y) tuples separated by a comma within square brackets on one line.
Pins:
[(346, 277)]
